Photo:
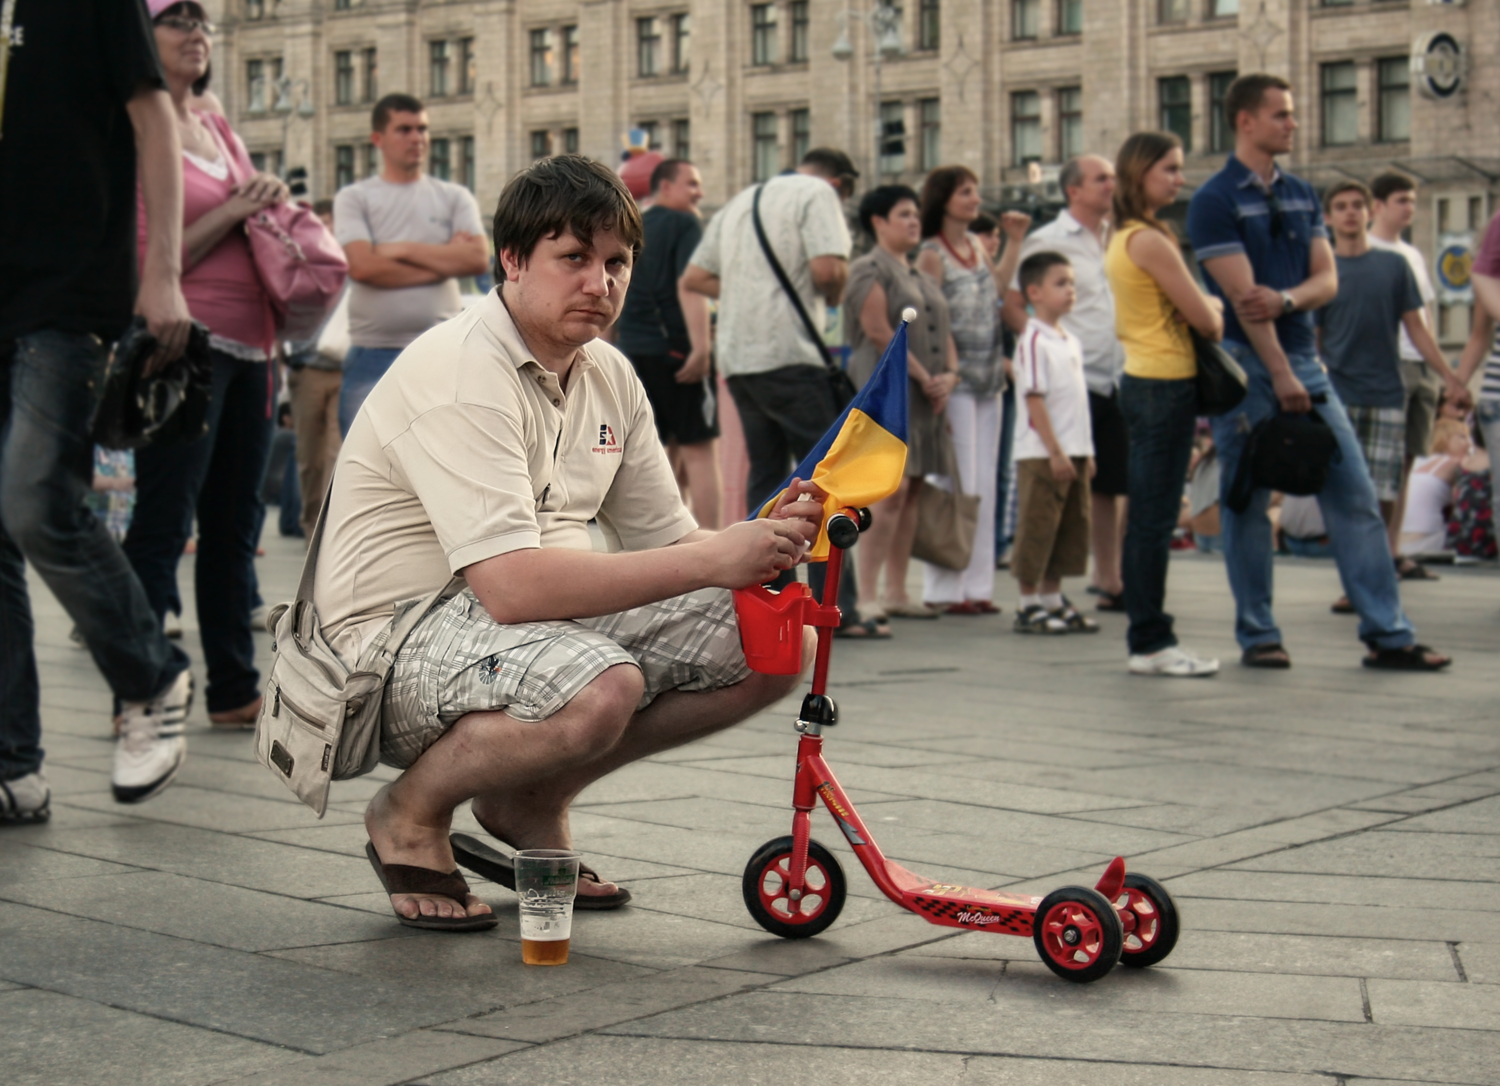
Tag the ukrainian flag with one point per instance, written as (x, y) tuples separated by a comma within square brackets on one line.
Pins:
[(862, 457)]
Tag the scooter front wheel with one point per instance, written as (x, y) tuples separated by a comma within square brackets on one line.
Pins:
[(768, 892), (1078, 933)]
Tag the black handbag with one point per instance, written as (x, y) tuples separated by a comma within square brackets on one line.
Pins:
[(170, 407), (838, 381), (1221, 380), (1289, 453)]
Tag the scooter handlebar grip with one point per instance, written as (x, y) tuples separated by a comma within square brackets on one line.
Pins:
[(843, 531)]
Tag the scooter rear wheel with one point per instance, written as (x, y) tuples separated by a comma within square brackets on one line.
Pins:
[(1078, 934), (767, 887), (1149, 916)]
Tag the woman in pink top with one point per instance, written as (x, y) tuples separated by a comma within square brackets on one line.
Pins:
[(217, 477)]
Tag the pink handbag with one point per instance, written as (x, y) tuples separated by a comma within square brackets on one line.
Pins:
[(300, 264)]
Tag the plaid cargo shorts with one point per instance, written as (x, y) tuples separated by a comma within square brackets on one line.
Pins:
[(460, 660), (1382, 437)]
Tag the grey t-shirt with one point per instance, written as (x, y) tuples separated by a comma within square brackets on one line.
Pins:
[(427, 211), (1360, 328)]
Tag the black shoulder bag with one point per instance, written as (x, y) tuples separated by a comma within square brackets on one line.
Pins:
[(838, 381), (1221, 379)]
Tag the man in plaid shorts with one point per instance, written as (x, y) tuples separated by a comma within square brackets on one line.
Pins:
[(484, 454), (1359, 335)]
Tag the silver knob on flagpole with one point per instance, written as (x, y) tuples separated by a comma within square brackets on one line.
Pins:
[(908, 315)]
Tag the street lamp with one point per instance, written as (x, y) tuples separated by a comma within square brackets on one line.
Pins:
[(884, 24), (286, 89)]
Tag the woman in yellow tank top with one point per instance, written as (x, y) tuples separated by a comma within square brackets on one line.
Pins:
[(1156, 298)]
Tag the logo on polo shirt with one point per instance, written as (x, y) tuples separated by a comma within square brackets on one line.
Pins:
[(607, 442)]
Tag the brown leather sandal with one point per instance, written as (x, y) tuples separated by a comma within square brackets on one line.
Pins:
[(406, 879)]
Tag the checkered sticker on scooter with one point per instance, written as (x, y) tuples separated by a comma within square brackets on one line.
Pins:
[(1010, 921)]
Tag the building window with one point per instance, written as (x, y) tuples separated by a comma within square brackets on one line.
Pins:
[(1395, 99), (1220, 131), (266, 162), (255, 9), (1171, 11), (371, 86), (1070, 16), (541, 143), (682, 40), (343, 165), (440, 159), (930, 112), (343, 5), (541, 66), (682, 139), (437, 69), (799, 30), (468, 165), (372, 160), (929, 24), (1069, 122), (763, 158), (570, 54), (1176, 98), (653, 134), (1340, 105), (762, 34), (570, 141), (1026, 19), (647, 47), (1025, 128), (255, 86), (892, 137), (801, 133), (1223, 9), (343, 78), (467, 66), (1336, 3)]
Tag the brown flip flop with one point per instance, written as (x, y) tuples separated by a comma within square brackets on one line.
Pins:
[(405, 879), (479, 858)]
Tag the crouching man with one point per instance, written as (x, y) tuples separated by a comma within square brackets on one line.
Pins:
[(483, 454)]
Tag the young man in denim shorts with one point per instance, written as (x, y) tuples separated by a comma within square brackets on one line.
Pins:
[(485, 452)]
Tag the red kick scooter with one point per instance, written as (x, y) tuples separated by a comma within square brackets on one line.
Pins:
[(794, 887)]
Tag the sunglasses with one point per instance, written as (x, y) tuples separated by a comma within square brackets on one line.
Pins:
[(1278, 221), (184, 24)]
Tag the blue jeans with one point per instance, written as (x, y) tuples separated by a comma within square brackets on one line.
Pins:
[(363, 366), (1352, 516), (1161, 417), (217, 478), (1002, 469), (48, 387)]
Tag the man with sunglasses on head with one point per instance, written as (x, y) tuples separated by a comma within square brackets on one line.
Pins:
[(1260, 237)]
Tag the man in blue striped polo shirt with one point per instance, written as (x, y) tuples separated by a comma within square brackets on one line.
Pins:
[(1260, 238)]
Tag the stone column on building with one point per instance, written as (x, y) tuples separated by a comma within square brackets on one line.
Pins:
[(603, 79), (714, 96)]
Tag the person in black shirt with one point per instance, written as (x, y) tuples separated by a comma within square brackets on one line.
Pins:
[(665, 334), (83, 93)]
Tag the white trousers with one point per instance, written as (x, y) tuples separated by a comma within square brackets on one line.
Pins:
[(976, 444)]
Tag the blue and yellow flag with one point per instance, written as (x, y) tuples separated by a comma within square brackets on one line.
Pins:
[(862, 457)]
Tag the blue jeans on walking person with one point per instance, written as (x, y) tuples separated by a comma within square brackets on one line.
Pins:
[(1356, 530), (363, 366), (217, 478), (49, 383), (1002, 470), (1161, 416)]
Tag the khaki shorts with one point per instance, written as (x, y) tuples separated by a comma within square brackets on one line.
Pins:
[(1423, 388), (459, 660), (1052, 523)]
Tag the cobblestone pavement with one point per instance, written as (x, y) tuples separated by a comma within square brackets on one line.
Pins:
[(1332, 837)]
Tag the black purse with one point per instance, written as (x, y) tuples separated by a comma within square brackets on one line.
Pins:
[(838, 381), (170, 407), (1221, 380)]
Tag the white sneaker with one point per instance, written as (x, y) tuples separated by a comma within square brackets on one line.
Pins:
[(151, 748), (1175, 662), (25, 799)]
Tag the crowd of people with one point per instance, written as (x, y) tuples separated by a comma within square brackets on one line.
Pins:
[(471, 456)]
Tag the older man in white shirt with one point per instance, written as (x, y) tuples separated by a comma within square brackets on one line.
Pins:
[(1080, 234)]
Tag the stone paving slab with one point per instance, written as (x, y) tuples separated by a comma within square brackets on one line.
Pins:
[(1330, 836)]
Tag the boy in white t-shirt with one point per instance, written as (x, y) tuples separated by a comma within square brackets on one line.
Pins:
[(1054, 454)]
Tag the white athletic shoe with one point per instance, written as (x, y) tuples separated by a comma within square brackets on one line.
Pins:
[(1175, 662), (25, 799), (151, 748)]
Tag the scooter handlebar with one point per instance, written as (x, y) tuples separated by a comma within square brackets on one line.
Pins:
[(845, 525)]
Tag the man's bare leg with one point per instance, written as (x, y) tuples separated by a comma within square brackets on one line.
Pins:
[(875, 544), (534, 814), (898, 557), (705, 481), (409, 819), (1106, 543)]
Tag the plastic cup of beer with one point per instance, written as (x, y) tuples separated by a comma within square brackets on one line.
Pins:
[(546, 882)]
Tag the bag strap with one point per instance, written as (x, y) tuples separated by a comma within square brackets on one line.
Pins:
[(786, 283)]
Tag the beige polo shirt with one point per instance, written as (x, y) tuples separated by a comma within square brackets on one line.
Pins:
[(467, 448)]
